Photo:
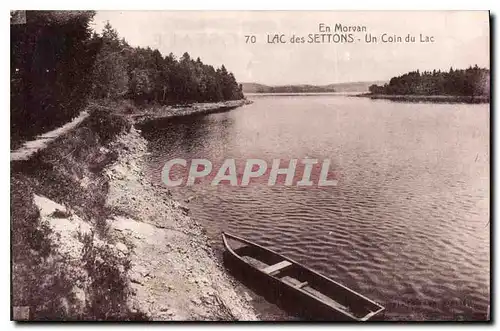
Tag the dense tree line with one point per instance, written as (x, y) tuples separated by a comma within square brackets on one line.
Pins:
[(144, 75), (52, 57), (473, 81), (57, 62)]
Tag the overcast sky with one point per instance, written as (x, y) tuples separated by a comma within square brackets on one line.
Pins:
[(460, 39)]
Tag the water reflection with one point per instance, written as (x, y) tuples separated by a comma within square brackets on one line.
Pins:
[(407, 225)]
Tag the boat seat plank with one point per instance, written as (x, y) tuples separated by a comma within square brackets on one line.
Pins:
[(272, 269), (301, 285), (254, 262), (290, 281)]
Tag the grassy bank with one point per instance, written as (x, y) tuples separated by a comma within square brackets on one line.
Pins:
[(428, 98), (53, 282), (85, 221)]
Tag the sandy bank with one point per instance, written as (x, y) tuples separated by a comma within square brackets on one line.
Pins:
[(174, 274)]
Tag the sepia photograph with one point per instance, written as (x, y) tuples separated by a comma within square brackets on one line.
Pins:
[(250, 166)]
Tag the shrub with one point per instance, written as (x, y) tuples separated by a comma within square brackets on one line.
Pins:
[(107, 125), (108, 289)]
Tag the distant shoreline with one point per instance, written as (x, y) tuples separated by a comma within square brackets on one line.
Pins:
[(428, 98), (250, 94)]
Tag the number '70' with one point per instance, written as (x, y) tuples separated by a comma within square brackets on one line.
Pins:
[(250, 39)]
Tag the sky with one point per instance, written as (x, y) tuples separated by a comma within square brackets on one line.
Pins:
[(460, 39)]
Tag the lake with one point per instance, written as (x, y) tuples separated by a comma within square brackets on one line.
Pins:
[(407, 225)]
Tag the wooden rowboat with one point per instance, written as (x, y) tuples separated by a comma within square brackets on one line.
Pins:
[(294, 286)]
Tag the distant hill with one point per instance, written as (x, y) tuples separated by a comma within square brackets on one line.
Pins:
[(355, 86), (254, 87), (260, 88), (303, 88)]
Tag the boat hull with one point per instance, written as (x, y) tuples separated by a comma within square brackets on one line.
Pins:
[(291, 300)]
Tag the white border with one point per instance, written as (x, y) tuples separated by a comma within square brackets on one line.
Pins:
[(258, 5), (191, 5)]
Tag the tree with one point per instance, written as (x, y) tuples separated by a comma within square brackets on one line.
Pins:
[(50, 59), (110, 78), (143, 75), (472, 81)]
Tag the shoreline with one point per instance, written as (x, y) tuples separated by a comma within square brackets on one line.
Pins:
[(427, 98), (119, 243), (172, 256), (163, 112)]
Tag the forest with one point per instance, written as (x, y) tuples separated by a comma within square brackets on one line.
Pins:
[(58, 63), (473, 81)]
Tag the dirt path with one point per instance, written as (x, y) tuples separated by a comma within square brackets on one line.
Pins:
[(31, 147)]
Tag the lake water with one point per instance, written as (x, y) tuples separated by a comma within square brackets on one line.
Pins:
[(407, 224)]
